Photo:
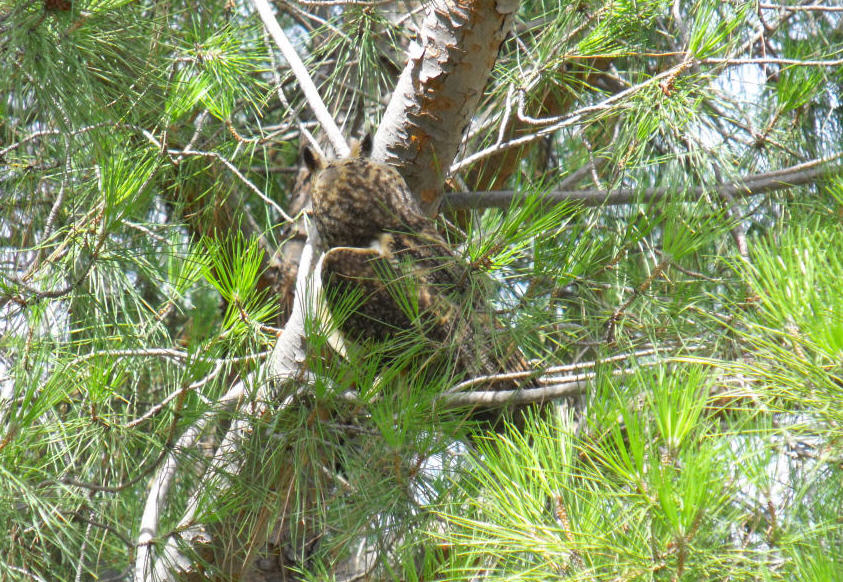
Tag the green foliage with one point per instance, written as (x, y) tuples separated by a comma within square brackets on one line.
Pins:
[(504, 237), (715, 26), (232, 268), (807, 308), (144, 279), (556, 503), (123, 179), (223, 72), (799, 85)]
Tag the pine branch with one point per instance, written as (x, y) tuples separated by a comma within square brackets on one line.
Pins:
[(284, 363), (214, 155), (771, 61), (799, 8), (552, 385), (791, 177)]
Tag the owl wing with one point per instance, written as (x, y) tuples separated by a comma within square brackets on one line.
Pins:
[(415, 283), (358, 285)]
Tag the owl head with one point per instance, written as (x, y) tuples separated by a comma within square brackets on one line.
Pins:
[(356, 199)]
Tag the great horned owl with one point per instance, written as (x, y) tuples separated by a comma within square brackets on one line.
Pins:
[(383, 250)]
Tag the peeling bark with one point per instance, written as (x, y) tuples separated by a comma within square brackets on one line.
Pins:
[(439, 89)]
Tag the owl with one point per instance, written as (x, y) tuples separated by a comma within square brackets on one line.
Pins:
[(401, 273)]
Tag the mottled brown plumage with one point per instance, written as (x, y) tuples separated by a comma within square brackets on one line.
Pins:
[(384, 251), (356, 199)]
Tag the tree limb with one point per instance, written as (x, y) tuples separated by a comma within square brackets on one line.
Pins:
[(284, 363), (561, 387), (798, 175), (439, 89)]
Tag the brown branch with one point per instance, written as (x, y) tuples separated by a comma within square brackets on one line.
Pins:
[(618, 314), (439, 88), (565, 120), (78, 515), (798, 175)]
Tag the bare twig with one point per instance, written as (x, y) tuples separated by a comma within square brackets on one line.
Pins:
[(809, 8), (54, 211), (311, 94), (688, 272), (178, 355), (343, 2), (770, 61), (236, 172), (120, 487), (79, 515), (184, 390), (304, 16), (39, 294), (567, 119), (146, 231), (36, 134), (640, 290)]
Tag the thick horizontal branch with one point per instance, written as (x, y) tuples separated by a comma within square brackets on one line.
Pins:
[(550, 375), (799, 175), (493, 398), (554, 386)]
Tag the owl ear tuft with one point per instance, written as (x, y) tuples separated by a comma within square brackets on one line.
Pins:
[(362, 148), (312, 159), (366, 145)]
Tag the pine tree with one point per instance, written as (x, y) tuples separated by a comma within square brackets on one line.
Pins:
[(647, 197)]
